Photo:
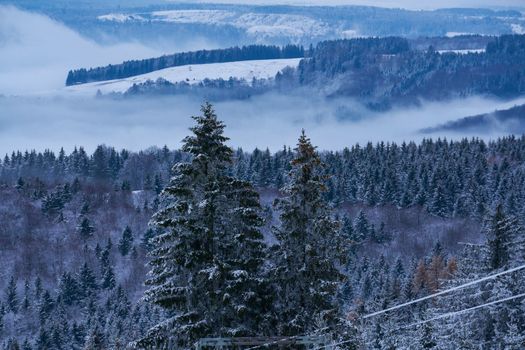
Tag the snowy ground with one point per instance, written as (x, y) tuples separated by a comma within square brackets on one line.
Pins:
[(192, 74)]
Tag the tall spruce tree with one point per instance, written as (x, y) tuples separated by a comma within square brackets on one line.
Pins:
[(505, 238), (311, 248), (11, 297), (206, 265), (126, 241)]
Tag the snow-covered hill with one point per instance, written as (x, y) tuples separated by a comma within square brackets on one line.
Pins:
[(257, 25), (192, 74)]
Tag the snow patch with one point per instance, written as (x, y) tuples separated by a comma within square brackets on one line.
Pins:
[(454, 34), (192, 74), (462, 51), (193, 16), (349, 34), (280, 24), (119, 17), (517, 28)]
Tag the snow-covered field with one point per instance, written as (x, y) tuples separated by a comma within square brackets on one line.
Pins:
[(192, 74)]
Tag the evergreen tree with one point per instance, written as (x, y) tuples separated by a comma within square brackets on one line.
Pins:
[(158, 184), (362, 228), (310, 249), (147, 238), (87, 281), (68, 289), (426, 339), (11, 297), (505, 239), (95, 340), (38, 288), (206, 263), (46, 306), (85, 229), (108, 279), (126, 241)]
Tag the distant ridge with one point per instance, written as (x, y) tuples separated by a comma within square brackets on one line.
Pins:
[(512, 119)]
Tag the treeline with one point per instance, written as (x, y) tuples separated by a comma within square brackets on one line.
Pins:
[(448, 178), (136, 67), (210, 89), (384, 71)]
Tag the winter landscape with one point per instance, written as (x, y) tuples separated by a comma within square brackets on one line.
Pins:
[(229, 174)]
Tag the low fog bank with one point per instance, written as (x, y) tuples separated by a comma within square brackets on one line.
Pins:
[(37, 52), (262, 121)]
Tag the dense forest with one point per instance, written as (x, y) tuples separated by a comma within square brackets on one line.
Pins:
[(385, 70), (396, 222), (381, 73), (136, 67)]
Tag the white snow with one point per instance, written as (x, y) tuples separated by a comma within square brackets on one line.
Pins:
[(119, 17), (193, 16), (453, 34), (517, 29), (350, 33), (138, 198), (463, 51), (280, 24), (192, 74)]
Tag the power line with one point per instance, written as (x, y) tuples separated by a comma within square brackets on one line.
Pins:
[(486, 278), (466, 310), (449, 314)]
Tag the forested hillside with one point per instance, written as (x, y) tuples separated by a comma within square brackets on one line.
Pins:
[(514, 117), (384, 72), (75, 233), (131, 68)]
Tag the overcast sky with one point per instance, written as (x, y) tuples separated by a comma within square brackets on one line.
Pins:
[(411, 4)]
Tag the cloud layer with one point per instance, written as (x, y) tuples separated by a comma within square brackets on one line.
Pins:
[(37, 52), (264, 121)]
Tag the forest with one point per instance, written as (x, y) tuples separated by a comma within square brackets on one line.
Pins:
[(239, 243)]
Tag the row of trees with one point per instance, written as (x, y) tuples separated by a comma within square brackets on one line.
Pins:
[(463, 178)]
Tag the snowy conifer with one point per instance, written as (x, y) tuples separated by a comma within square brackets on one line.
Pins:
[(310, 250), (126, 241), (205, 266)]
